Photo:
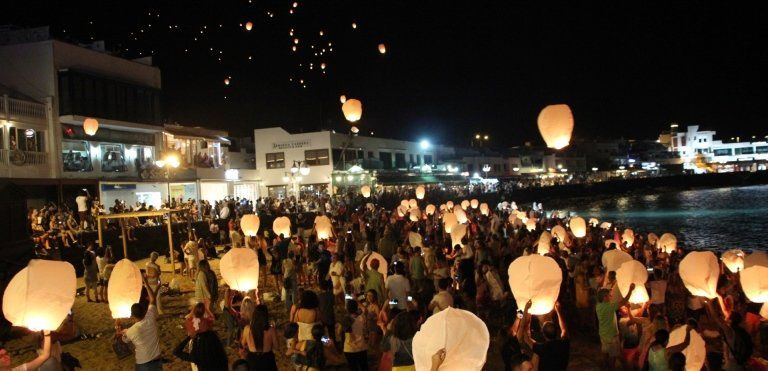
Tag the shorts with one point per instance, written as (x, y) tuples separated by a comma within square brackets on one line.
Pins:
[(610, 347), (630, 355)]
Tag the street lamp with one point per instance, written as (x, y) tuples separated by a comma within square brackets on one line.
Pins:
[(486, 169)]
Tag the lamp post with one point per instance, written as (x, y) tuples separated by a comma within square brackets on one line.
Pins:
[(295, 176), (168, 162), (486, 169)]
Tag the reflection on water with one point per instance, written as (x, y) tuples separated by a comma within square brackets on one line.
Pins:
[(720, 218)]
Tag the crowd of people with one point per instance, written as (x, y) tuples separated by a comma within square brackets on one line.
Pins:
[(359, 297)]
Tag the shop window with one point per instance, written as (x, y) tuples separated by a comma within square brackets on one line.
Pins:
[(75, 155), (386, 159), (276, 160), (112, 158), (428, 159), (722, 152), (400, 160), (761, 149), (316, 157), (745, 151)]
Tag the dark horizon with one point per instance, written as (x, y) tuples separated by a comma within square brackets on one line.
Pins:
[(451, 70)]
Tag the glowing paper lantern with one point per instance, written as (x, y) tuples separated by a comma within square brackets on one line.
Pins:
[(463, 335), (366, 191), (530, 225), (413, 204), (593, 222), (754, 283), (733, 260), (449, 221), (764, 311), (556, 125), (240, 269), (544, 244), (414, 239), (512, 217), (90, 126), (560, 233), (382, 49), (461, 216), (700, 271), (430, 209), (226, 81), (124, 288), (420, 192), (449, 205), (578, 227), (458, 232), (324, 228), (536, 278), (404, 203), (40, 296), (613, 259), (352, 109), (484, 209), (401, 211), (608, 243), (695, 353), (756, 258), (382, 263), (628, 237), (248, 26), (474, 203), (249, 223), (667, 243), (415, 215), (282, 225), (630, 272), (464, 204), (605, 225)]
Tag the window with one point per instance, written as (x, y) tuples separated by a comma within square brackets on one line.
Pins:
[(276, 160), (418, 159), (316, 157), (761, 149), (370, 154), (386, 160), (112, 158), (496, 168), (722, 152), (428, 159), (399, 160), (75, 155), (28, 140), (744, 151), (410, 159), (144, 155)]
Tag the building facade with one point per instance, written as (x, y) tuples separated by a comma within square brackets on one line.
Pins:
[(701, 152)]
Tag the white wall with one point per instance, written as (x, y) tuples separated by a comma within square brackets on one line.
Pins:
[(272, 140)]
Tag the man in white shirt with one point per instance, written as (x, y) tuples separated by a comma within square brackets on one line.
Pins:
[(143, 334), (398, 287), (443, 299), (82, 207)]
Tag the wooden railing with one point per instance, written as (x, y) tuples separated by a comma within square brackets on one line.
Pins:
[(16, 109), (22, 158)]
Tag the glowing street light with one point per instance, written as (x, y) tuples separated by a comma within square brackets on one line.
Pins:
[(424, 144)]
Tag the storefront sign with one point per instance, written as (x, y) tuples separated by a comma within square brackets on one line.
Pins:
[(292, 144)]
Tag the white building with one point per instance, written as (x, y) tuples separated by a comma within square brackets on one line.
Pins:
[(701, 152), (332, 160)]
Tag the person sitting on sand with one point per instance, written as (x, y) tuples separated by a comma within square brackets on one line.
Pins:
[(5, 358)]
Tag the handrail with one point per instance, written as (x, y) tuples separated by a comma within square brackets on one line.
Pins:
[(12, 108)]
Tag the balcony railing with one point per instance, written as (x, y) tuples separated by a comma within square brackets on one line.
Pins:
[(22, 158), (17, 109)]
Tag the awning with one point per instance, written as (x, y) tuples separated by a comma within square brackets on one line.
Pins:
[(393, 179)]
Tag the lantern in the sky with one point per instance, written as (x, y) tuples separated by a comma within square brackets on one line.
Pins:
[(375, 256), (578, 227), (40, 296), (700, 271), (462, 334), (249, 223), (630, 272), (484, 209), (613, 259), (465, 204), (474, 203), (90, 126), (415, 214), (282, 225), (556, 125), (413, 204), (605, 225), (248, 26), (560, 233), (544, 244), (594, 222), (733, 260), (530, 225), (536, 278), (430, 209), (628, 237), (352, 109), (458, 232), (366, 191), (240, 269), (420, 192), (343, 98), (382, 49), (449, 221), (667, 243), (124, 288), (461, 215), (695, 353)]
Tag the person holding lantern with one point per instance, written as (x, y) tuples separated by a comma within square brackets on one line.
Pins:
[(607, 325), (5, 358), (143, 334)]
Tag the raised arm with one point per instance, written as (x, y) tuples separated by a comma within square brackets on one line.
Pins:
[(37, 362), (680, 347), (561, 321), (524, 331), (149, 289), (625, 300)]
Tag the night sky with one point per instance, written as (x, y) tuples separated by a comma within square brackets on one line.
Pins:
[(451, 69)]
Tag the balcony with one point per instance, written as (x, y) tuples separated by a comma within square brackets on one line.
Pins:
[(13, 109)]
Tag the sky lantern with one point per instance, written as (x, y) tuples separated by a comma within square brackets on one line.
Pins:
[(354, 25), (667, 243), (462, 334), (124, 288), (430, 209), (449, 221), (530, 225), (578, 227), (415, 215), (536, 278), (249, 223), (90, 126), (628, 237), (343, 98), (282, 225), (404, 203), (461, 215), (413, 204), (248, 26), (240, 269), (757, 257), (322, 66), (605, 225), (458, 232), (474, 203), (375, 256), (484, 209), (556, 125), (40, 296), (607, 243), (652, 238), (324, 228), (593, 222), (449, 205), (544, 244), (382, 49), (560, 233), (226, 81), (352, 109), (700, 271), (465, 204), (733, 260), (754, 283), (630, 272), (695, 353), (296, 41), (402, 210), (415, 239), (511, 218), (365, 191), (613, 259), (420, 192)]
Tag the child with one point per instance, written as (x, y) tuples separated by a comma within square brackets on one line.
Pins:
[(291, 344)]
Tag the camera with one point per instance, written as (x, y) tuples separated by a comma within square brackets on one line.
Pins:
[(393, 302)]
